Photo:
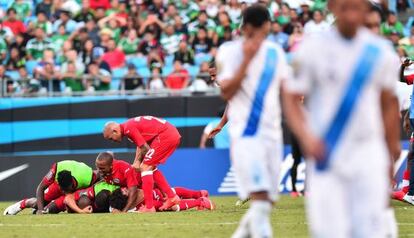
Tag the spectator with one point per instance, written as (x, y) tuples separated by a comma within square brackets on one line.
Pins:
[(46, 7), (227, 36), (79, 37), (23, 9), (99, 4), (6, 33), (170, 40), (154, 59), (98, 79), (42, 22), (36, 46), (149, 43), (99, 13), (132, 79), (212, 8), (65, 19), (157, 8), (72, 78), (202, 43), (180, 28), (71, 56), (12, 22), (224, 25), (105, 35), (97, 53), (113, 56), (93, 31), (61, 55), (129, 43), (10, 85), (86, 53), (200, 83), (395, 37), (155, 82), (317, 25), (278, 36), (58, 39), (188, 10), (28, 84), (305, 13), (296, 37), (71, 6), (409, 47), (3, 51), (392, 25), (49, 76), (85, 14), (294, 19), (202, 22), (234, 11), (170, 14), (284, 16), (153, 25), (184, 54), (179, 78), (14, 61), (113, 23), (20, 44)]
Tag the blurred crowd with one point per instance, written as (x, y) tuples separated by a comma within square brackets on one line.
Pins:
[(101, 45)]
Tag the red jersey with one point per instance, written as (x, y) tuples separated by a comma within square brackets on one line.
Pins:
[(89, 192), (122, 175), (16, 27), (115, 58), (143, 129), (177, 80)]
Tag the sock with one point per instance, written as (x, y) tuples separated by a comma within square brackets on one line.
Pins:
[(406, 181), (147, 187), (259, 222), (411, 188), (242, 230), (162, 184), (23, 203), (187, 193), (186, 204), (293, 175)]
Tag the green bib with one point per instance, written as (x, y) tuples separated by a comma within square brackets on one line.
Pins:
[(80, 171), (104, 186)]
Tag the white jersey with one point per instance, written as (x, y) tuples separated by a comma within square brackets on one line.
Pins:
[(337, 75), (255, 109)]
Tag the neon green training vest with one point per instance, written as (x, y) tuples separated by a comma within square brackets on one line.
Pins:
[(80, 171), (104, 186)]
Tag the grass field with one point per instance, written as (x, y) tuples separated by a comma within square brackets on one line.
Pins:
[(288, 220)]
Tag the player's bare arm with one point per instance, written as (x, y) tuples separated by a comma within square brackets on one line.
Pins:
[(132, 197), (222, 123), (391, 120), (406, 122), (292, 105), (40, 197), (71, 203)]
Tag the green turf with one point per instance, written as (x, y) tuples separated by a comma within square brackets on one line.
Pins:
[(288, 220)]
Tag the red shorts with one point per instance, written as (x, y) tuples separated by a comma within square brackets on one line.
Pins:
[(52, 192), (162, 147)]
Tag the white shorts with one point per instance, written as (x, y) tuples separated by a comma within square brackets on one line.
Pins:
[(341, 204), (256, 163)]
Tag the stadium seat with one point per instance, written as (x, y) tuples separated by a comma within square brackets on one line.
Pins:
[(166, 70), (408, 25), (117, 75), (169, 60), (30, 66), (139, 61), (193, 70), (200, 58), (144, 72), (13, 74)]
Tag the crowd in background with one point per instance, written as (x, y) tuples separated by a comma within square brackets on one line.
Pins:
[(101, 45)]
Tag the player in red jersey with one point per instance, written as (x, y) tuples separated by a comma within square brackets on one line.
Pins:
[(156, 140), (63, 177), (118, 172)]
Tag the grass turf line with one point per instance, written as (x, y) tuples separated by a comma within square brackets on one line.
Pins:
[(288, 220)]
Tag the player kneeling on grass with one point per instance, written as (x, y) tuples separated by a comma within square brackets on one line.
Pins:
[(93, 199), (64, 177), (189, 199)]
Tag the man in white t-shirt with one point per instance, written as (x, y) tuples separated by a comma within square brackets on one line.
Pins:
[(249, 71), (350, 133), (317, 25)]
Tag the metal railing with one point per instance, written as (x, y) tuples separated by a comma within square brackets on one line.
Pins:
[(31, 87)]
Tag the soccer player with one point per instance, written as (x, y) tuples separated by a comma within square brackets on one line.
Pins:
[(118, 172), (64, 177), (350, 133), (156, 139), (97, 195), (249, 71)]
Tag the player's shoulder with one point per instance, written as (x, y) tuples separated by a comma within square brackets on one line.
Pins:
[(229, 46), (377, 41)]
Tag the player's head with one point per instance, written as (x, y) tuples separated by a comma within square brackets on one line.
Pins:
[(104, 163), (256, 20), (350, 15), (373, 21), (102, 201), (66, 181), (83, 202), (118, 199), (112, 131), (212, 69)]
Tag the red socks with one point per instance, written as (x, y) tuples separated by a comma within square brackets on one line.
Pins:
[(187, 193), (147, 187), (23, 203), (162, 184), (186, 204)]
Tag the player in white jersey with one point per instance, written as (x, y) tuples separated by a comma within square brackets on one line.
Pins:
[(350, 130), (249, 71)]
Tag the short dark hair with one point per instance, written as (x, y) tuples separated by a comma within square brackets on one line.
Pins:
[(107, 156), (65, 180), (212, 63), (11, 10), (118, 200), (102, 201), (83, 202), (255, 15)]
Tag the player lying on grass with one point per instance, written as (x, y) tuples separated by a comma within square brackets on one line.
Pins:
[(64, 177), (189, 199)]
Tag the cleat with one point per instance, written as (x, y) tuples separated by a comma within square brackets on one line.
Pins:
[(170, 202), (295, 194), (144, 209), (409, 199), (12, 209), (240, 203), (206, 204), (204, 193)]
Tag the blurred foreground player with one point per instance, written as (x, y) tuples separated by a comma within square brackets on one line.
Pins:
[(64, 177), (249, 72), (350, 134)]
